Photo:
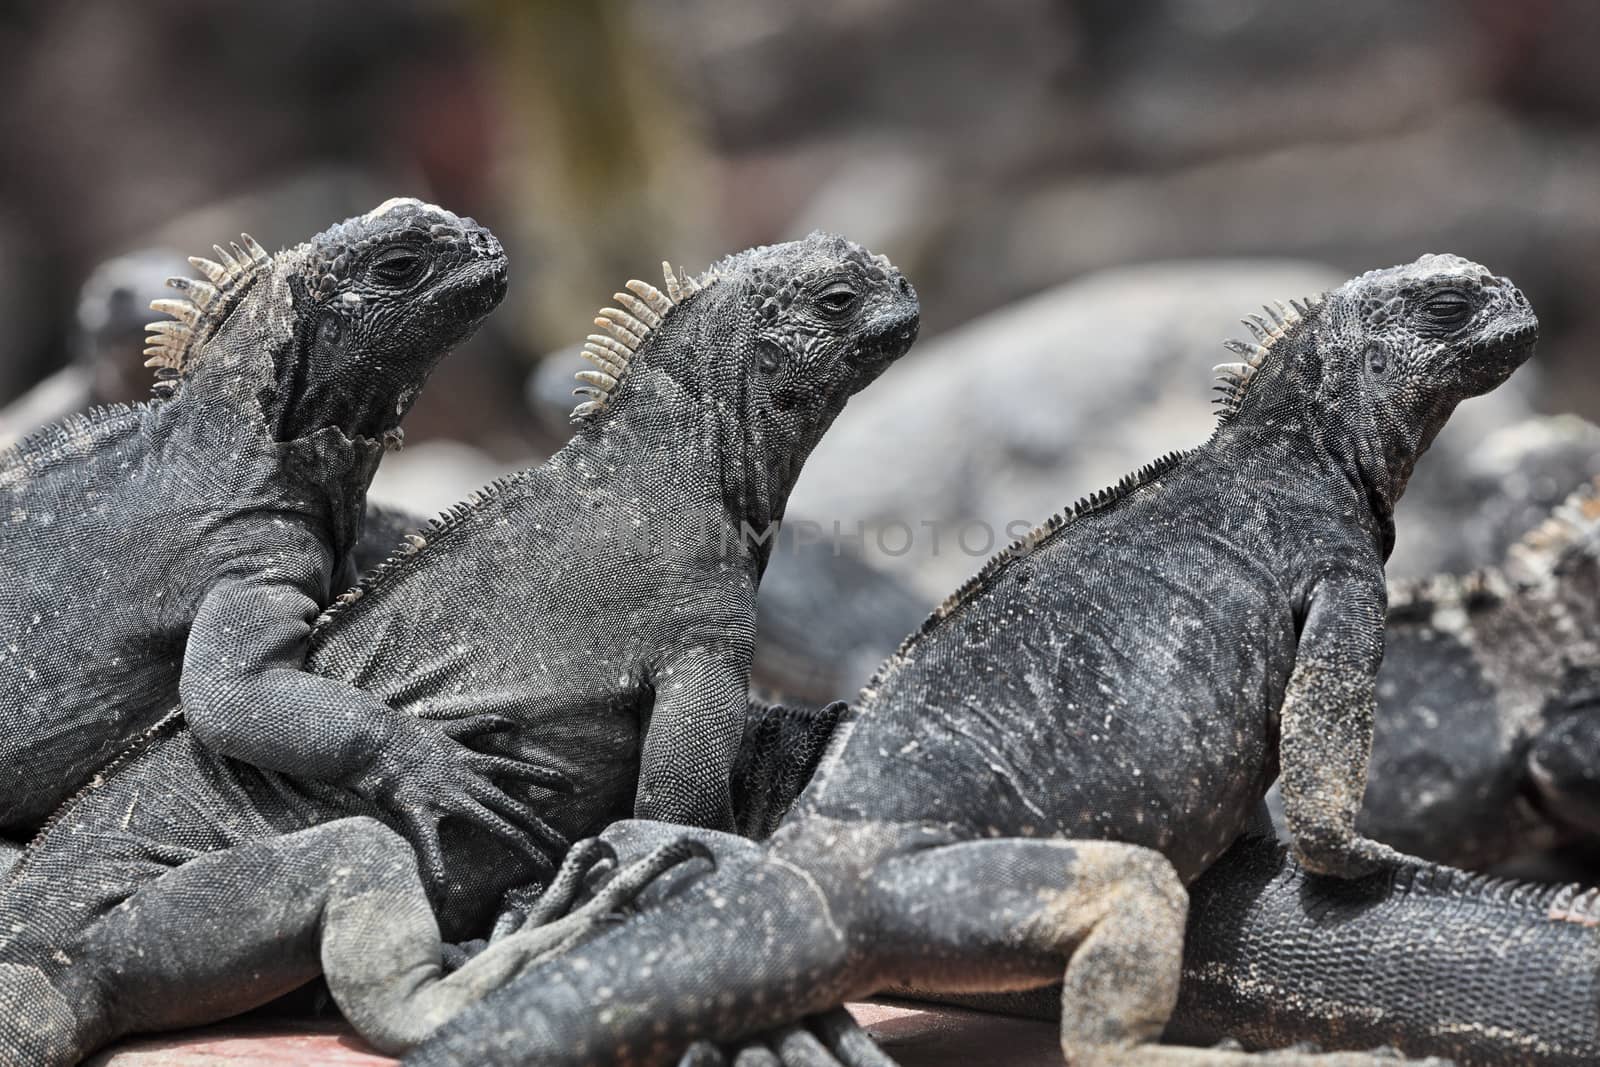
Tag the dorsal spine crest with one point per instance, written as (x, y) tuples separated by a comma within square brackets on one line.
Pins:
[(642, 309), (172, 343), (1234, 377), (1024, 546)]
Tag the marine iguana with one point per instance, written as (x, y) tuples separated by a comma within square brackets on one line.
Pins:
[(1077, 733), (1487, 745), (535, 622), (1416, 958), (185, 545)]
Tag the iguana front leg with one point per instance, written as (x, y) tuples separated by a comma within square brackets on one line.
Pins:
[(1326, 727), (701, 696), (247, 696)]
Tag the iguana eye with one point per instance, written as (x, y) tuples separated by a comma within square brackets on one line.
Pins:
[(330, 330), (397, 266), (769, 356), (838, 299), (1447, 308)]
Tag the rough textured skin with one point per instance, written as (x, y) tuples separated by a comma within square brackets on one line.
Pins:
[(1488, 739), (823, 623), (1078, 732), (780, 752), (1427, 959), (188, 544), (529, 623)]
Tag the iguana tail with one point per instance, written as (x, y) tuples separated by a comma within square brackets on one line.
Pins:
[(1431, 960)]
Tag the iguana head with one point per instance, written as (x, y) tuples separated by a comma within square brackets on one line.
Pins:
[(764, 350), (334, 335), (1382, 361)]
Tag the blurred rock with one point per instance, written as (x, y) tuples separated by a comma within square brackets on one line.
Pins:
[(428, 477), (1498, 489), (107, 344), (1008, 419), (826, 619)]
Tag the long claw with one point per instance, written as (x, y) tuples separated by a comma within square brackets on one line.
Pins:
[(505, 767), (848, 1041), (498, 806), (634, 879), (556, 901), (526, 843), (430, 852), (703, 1054)]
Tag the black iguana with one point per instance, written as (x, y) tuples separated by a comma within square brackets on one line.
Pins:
[(187, 544), (1078, 732), (592, 617), (1488, 739), (1487, 745)]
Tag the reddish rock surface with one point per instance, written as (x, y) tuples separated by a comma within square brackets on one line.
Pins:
[(916, 1036)]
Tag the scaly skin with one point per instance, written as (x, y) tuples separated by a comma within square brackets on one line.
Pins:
[(591, 618), (1075, 735), (1492, 972), (186, 545), (1425, 959)]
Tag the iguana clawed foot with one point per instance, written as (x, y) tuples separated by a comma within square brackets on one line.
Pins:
[(553, 925), (522, 908), (831, 1040), (432, 773)]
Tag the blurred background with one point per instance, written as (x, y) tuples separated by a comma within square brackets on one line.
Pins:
[(1085, 192)]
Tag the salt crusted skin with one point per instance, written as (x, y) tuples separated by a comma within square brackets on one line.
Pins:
[(188, 543), (1076, 734), (1422, 958), (1487, 744), (182, 887), (1488, 739)]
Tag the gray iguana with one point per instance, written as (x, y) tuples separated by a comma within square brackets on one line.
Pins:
[(588, 622), (1416, 957), (1487, 745), (1076, 734), (187, 544)]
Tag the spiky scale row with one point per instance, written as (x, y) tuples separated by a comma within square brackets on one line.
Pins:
[(1234, 378), (412, 546), (170, 342), (642, 309), (1028, 542), (1279, 322)]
